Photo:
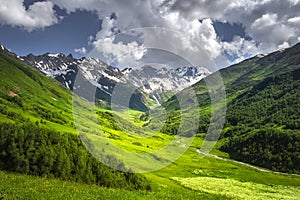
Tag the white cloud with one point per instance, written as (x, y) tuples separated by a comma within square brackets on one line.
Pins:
[(284, 45), (195, 9), (294, 20), (266, 20), (112, 49), (270, 23), (90, 39), (38, 15), (80, 50), (271, 32), (124, 54), (240, 48), (294, 2), (116, 51), (208, 37), (73, 5)]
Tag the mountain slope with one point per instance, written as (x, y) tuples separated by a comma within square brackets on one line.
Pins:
[(38, 136), (263, 124), (23, 88), (263, 101)]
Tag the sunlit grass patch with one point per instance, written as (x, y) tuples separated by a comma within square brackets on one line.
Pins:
[(239, 190)]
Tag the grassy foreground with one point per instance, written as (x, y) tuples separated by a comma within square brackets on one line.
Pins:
[(228, 188), (16, 186), (190, 177)]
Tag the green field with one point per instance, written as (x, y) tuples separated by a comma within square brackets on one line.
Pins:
[(239, 190)]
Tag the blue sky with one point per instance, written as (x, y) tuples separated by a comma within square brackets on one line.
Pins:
[(70, 33), (229, 31)]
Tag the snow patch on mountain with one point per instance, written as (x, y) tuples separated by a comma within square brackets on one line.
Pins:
[(260, 55), (54, 55), (151, 80), (157, 80)]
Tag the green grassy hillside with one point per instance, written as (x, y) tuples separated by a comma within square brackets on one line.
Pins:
[(38, 135), (28, 96), (262, 119)]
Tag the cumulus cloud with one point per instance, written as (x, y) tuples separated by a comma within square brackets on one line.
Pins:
[(135, 14), (284, 45), (38, 15), (81, 50), (270, 31), (240, 48), (125, 54), (269, 24), (195, 9), (294, 20)]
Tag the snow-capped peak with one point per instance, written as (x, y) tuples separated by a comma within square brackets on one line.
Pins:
[(282, 50), (162, 79), (152, 80), (53, 55), (260, 55)]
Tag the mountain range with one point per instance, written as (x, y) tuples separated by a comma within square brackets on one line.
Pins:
[(148, 80)]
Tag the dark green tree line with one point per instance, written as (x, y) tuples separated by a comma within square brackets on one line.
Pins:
[(37, 151)]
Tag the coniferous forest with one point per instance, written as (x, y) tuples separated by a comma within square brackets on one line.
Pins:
[(263, 116), (32, 150)]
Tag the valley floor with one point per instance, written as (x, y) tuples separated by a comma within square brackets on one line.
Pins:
[(242, 163), (190, 177)]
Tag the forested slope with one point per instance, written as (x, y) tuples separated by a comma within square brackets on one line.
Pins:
[(263, 112)]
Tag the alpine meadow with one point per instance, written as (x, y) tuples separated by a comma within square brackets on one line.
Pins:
[(149, 100), (39, 138)]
